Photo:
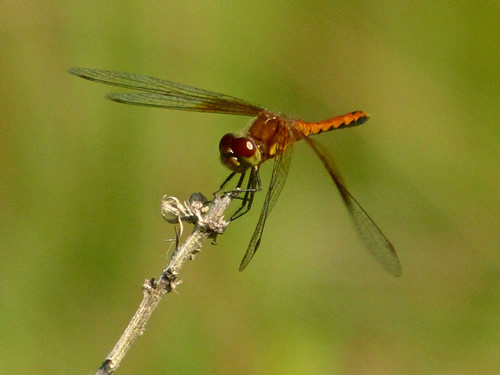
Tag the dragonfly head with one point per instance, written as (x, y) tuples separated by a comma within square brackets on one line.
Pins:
[(238, 153)]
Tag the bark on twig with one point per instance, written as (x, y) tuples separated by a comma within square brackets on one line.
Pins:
[(209, 222)]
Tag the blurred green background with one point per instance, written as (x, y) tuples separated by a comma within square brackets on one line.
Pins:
[(82, 177)]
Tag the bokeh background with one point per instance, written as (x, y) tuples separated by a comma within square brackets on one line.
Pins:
[(82, 177)]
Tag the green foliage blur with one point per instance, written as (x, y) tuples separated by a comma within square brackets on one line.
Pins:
[(82, 178)]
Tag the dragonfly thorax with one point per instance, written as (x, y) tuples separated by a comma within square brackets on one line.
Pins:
[(239, 153), (273, 134)]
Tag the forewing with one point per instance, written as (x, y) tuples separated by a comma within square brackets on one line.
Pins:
[(376, 242), (166, 94), (278, 179)]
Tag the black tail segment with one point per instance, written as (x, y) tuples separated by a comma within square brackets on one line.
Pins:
[(360, 120), (352, 119)]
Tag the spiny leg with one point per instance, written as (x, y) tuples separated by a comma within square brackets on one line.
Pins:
[(254, 185), (230, 177)]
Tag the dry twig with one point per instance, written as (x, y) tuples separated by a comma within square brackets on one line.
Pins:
[(209, 222)]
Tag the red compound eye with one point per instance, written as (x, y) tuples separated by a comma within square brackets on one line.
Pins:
[(226, 143), (244, 147)]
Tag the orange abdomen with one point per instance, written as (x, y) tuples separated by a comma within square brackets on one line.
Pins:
[(306, 129)]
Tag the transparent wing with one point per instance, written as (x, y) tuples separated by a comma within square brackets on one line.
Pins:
[(376, 242), (166, 94), (278, 178)]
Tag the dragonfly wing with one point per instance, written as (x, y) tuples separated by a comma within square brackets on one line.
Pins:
[(376, 242), (184, 103), (166, 94), (278, 178)]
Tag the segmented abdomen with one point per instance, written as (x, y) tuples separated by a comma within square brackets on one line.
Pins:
[(349, 119)]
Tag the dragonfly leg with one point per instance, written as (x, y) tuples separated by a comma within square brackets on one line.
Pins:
[(229, 178), (254, 185), (236, 189)]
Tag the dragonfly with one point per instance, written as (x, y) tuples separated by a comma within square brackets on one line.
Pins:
[(270, 137)]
